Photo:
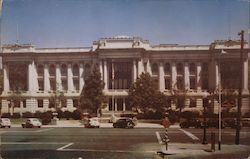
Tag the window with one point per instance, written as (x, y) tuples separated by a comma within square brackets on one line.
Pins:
[(75, 70), (24, 103), (155, 69), (167, 69), (40, 70), (180, 69), (192, 83), (75, 103), (41, 85), (180, 83), (63, 103), (192, 103), (167, 83), (205, 75), (76, 84), (119, 104), (53, 84), (51, 103), (52, 70), (40, 103), (64, 70), (64, 84), (192, 69)]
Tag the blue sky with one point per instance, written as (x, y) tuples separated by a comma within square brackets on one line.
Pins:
[(77, 23)]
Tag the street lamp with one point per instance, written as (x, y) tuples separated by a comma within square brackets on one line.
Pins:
[(237, 136), (219, 87), (205, 105)]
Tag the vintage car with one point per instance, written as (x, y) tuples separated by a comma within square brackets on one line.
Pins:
[(5, 122), (124, 123), (32, 123)]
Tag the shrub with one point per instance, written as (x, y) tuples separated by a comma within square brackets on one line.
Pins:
[(38, 114), (76, 114), (5, 115), (189, 114), (16, 115), (46, 117), (67, 114), (151, 115), (28, 115)]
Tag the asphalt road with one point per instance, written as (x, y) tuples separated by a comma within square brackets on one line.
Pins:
[(102, 143)]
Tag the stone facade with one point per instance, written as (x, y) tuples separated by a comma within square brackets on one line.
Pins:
[(193, 70)]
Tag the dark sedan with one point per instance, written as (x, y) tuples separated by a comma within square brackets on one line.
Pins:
[(124, 123)]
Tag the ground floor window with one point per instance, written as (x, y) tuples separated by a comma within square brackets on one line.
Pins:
[(40, 103)]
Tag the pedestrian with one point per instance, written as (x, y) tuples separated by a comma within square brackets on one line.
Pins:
[(166, 123)]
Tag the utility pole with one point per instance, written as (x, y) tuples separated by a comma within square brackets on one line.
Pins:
[(237, 137)]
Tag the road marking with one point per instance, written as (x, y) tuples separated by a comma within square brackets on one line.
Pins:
[(36, 131), (158, 137), (43, 130), (65, 146), (102, 150), (33, 143), (189, 134)]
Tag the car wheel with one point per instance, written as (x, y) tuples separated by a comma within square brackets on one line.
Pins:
[(9, 126), (130, 125), (39, 126)]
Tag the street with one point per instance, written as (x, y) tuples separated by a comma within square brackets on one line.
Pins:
[(100, 143)]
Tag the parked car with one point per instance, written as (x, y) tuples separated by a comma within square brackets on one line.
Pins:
[(215, 123), (124, 123), (5, 122), (186, 123), (31, 123), (92, 123)]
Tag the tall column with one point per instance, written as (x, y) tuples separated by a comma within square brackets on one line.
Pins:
[(58, 77), (101, 69), (174, 76), (217, 74), (245, 77), (140, 67), (81, 79), (105, 74), (6, 85), (46, 78), (186, 76), (134, 71), (161, 77), (149, 70), (198, 76), (70, 78), (123, 104), (30, 78)]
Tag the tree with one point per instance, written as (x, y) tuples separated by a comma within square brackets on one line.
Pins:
[(144, 95), (15, 99), (56, 97), (92, 96)]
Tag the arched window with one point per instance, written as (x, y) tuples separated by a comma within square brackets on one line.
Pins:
[(40, 70), (64, 70), (167, 69), (75, 70), (180, 70), (52, 70), (87, 70), (155, 69), (192, 69)]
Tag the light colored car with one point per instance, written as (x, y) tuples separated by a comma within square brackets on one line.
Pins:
[(31, 123), (5, 122), (92, 123)]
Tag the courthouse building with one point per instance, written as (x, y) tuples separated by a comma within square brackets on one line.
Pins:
[(194, 69)]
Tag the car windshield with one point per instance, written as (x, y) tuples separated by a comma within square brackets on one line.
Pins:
[(34, 120)]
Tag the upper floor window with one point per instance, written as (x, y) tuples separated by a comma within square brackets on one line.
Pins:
[(192, 69), (64, 70), (75, 70), (180, 70), (167, 69), (40, 70), (52, 70), (155, 69)]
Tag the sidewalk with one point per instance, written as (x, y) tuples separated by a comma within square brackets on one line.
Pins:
[(76, 123), (189, 150)]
